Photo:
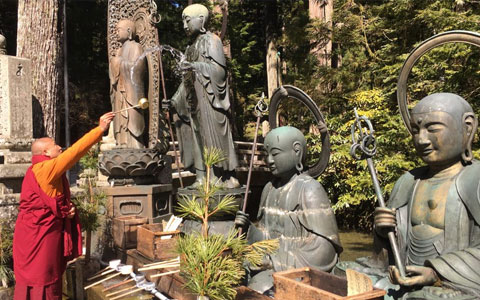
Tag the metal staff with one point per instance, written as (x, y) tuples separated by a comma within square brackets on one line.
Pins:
[(260, 109), (167, 116), (365, 142)]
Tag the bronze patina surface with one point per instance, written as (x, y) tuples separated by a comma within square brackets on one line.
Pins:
[(202, 101), (295, 209)]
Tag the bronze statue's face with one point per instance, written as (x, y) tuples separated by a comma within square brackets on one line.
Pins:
[(192, 24), (438, 137), (285, 147)]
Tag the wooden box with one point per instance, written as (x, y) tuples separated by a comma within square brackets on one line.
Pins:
[(173, 286), (309, 284), (125, 231), (150, 242)]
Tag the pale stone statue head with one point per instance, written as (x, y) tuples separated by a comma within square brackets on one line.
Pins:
[(195, 18), (3, 45), (287, 148), (443, 127), (126, 30)]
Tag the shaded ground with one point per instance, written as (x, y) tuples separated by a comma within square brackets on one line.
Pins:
[(355, 245)]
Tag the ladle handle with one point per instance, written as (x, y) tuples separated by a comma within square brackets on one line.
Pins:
[(101, 274), (124, 109), (126, 294), (104, 279)]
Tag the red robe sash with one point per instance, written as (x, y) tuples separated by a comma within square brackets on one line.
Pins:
[(44, 238)]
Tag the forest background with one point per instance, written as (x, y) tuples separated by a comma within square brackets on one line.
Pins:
[(370, 38)]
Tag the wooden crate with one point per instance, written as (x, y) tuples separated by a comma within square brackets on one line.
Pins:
[(125, 231), (309, 284), (173, 285), (151, 245)]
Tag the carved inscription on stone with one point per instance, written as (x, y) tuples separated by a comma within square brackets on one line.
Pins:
[(15, 98)]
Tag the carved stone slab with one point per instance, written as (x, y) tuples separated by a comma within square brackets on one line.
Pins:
[(15, 98), (16, 130)]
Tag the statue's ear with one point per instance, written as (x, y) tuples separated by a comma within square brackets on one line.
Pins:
[(298, 149), (470, 124), (130, 35), (203, 30)]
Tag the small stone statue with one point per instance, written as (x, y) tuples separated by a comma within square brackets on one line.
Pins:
[(435, 209), (295, 209), (202, 101), (127, 77), (3, 45)]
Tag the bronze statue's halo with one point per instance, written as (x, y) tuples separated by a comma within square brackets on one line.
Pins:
[(454, 36), (290, 91)]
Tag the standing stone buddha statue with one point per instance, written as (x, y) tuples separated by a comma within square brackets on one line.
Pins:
[(295, 209), (435, 209), (128, 73)]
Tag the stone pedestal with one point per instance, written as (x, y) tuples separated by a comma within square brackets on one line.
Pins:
[(150, 201), (15, 122)]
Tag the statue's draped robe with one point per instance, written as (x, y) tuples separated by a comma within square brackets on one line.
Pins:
[(299, 215), (127, 77), (202, 104), (458, 251)]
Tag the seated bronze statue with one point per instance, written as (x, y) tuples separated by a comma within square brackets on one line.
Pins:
[(435, 209), (295, 209)]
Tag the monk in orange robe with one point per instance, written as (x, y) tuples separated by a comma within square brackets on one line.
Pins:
[(47, 231)]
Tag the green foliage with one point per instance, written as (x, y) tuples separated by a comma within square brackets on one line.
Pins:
[(6, 243), (90, 160), (212, 264), (91, 203), (373, 39)]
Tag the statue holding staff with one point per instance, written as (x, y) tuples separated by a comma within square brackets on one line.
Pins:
[(202, 101), (295, 209)]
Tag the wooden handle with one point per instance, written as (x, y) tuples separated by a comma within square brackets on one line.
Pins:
[(117, 285), (119, 292), (101, 274), (126, 294), (163, 274), (161, 266), (104, 279)]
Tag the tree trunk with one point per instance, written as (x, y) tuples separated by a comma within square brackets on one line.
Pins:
[(322, 10), (39, 38), (272, 58)]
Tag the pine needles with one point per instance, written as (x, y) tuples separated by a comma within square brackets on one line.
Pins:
[(213, 264)]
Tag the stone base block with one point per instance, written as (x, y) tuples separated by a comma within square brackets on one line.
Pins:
[(150, 201)]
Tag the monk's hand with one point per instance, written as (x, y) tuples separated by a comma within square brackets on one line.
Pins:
[(417, 275), (105, 121), (385, 220), (241, 220), (71, 212)]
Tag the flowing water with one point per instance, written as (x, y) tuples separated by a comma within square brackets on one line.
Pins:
[(176, 54)]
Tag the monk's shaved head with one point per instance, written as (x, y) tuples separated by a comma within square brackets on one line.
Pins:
[(40, 145)]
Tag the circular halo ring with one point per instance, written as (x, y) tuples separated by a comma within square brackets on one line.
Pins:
[(290, 91), (454, 36)]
